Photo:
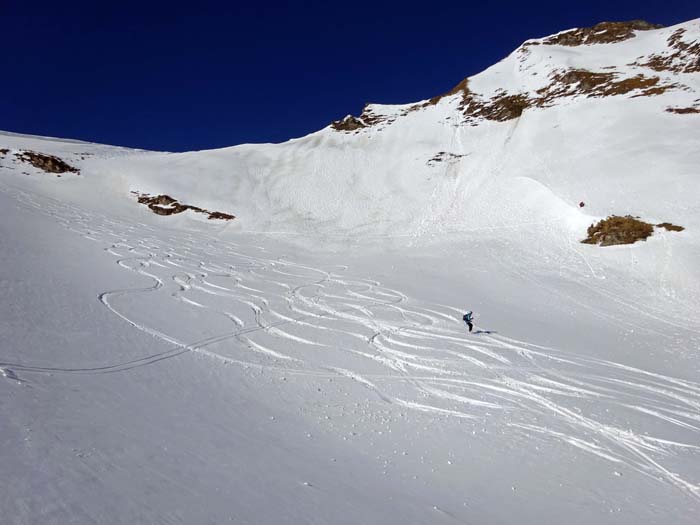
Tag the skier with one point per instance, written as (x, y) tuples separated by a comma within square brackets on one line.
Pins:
[(468, 318)]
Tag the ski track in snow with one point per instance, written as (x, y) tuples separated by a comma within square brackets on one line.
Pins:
[(322, 322)]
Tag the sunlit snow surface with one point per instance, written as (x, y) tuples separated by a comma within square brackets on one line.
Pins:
[(236, 302), (307, 362)]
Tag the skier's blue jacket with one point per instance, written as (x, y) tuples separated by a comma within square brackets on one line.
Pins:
[(468, 317)]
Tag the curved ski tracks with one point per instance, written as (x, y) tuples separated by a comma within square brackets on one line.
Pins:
[(298, 319)]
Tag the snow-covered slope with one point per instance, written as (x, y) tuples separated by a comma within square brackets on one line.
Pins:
[(306, 361), (575, 140)]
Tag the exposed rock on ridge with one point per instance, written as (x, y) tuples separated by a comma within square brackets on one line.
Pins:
[(682, 57), (583, 80), (602, 33)]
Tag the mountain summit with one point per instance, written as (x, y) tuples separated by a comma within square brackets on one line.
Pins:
[(543, 72)]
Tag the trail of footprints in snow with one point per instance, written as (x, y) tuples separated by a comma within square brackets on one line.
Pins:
[(304, 320)]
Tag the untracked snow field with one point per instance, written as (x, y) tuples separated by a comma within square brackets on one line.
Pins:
[(159, 370)]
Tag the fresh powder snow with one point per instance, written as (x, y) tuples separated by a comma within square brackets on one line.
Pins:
[(306, 361)]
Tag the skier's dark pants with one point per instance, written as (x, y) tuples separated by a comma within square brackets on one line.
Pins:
[(470, 325)]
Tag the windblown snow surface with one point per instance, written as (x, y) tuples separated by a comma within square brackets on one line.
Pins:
[(307, 362)]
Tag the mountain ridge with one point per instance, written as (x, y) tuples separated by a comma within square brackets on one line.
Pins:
[(676, 55), (523, 142)]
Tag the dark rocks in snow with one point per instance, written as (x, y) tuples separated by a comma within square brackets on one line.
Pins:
[(618, 230), (682, 57), (349, 123), (460, 89), (602, 33), (670, 227), (564, 83), (166, 205), (591, 84), (623, 230), (684, 111), (220, 215), (502, 107), (366, 119), (47, 163), (444, 156)]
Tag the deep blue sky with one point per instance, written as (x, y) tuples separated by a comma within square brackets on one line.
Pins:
[(197, 75)]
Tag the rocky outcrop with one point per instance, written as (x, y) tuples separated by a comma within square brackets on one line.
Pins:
[(602, 33), (563, 83), (618, 230), (367, 119), (684, 111), (349, 123), (623, 230), (166, 205), (670, 227), (590, 84), (682, 57), (47, 163)]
